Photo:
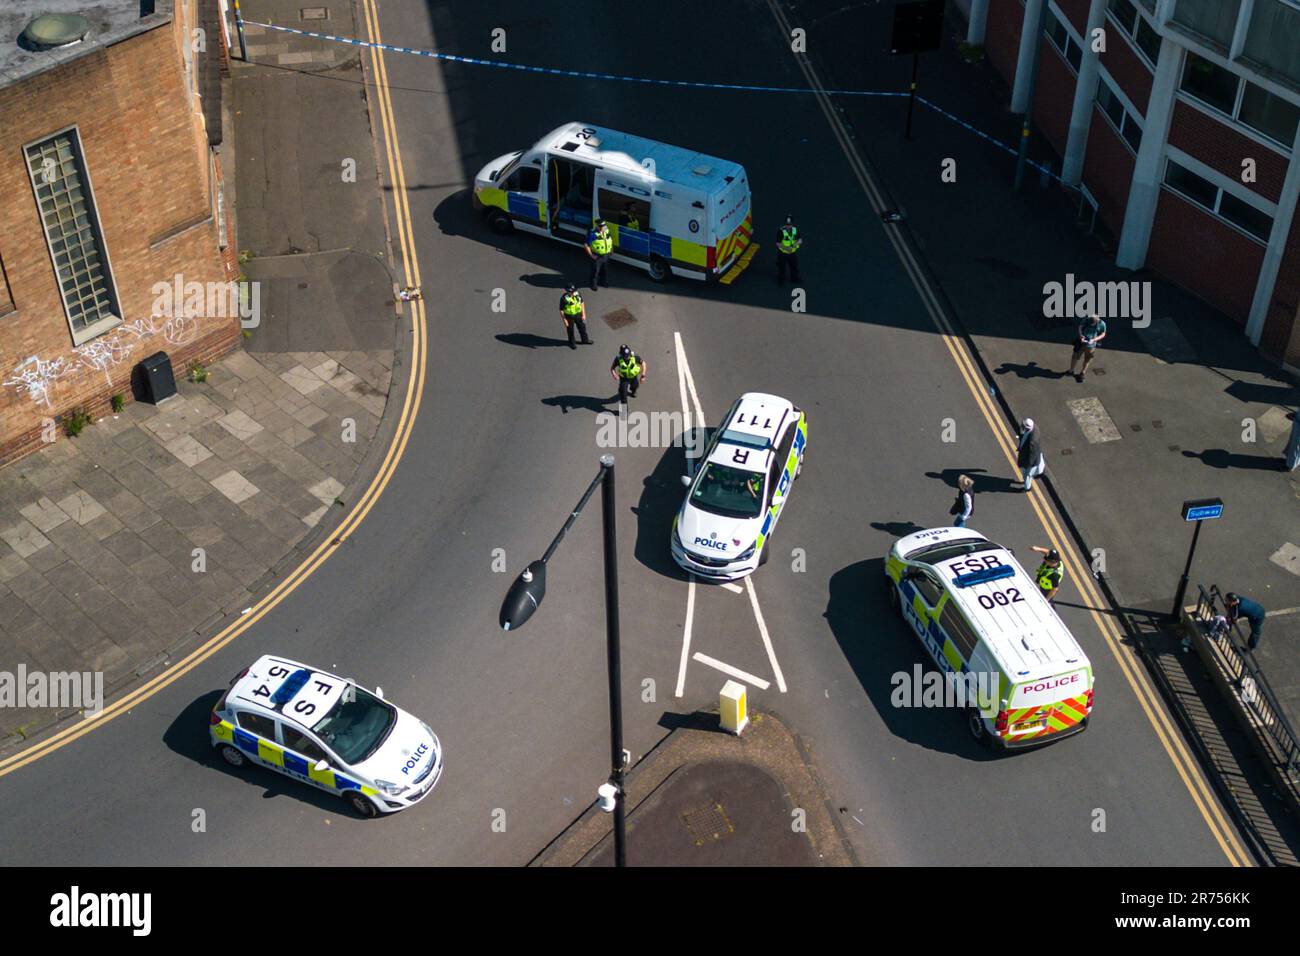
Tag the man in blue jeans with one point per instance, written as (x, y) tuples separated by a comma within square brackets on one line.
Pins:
[(1239, 607)]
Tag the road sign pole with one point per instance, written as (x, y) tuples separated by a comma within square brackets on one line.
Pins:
[(911, 96), (1177, 611), (615, 677)]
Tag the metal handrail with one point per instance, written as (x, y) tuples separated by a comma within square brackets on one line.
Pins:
[(1253, 688)]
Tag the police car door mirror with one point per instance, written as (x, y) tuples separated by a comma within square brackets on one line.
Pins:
[(379, 692), (777, 499), (686, 481), (321, 766)]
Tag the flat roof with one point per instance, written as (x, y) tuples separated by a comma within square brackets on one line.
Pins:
[(111, 21), (623, 151)]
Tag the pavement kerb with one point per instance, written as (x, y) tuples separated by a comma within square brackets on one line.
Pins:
[(697, 739)]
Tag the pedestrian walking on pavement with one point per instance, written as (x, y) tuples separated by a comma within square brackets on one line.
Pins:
[(628, 369), (1030, 455), (1291, 457), (964, 506), (787, 252), (599, 246), (574, 312), (1239, 607), (1090, 333), (1049, 573)]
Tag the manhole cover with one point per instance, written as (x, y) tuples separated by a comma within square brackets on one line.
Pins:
[(1067, 451), (1136, 427), (708, 824), (1157, 424), (315, 13), (619, 318)]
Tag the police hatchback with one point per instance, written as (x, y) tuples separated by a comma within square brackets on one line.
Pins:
[(736, 499), (328, 732)]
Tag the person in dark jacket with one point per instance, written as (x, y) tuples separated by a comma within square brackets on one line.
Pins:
[(964, 506), (1030, 454), (1239, 607)]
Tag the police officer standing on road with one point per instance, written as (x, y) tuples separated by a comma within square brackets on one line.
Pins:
[(574, 312), (599, 245), (1049, 573), (628, 369), (787, 252)]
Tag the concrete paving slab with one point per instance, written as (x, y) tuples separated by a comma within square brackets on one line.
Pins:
[(81, 507), (234, 486), (44, 514)]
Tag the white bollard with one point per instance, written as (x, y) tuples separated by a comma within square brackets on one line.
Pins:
[(733, 707)]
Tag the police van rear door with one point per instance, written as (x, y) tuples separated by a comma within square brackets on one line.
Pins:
[(1048, 704)]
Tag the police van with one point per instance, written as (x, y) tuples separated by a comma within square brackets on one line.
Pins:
[(328, 732), (979, 614), (669, 210)]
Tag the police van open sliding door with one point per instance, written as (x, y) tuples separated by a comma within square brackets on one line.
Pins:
[(570, 188), (626, 208)]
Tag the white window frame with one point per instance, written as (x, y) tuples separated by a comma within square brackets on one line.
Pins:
[(1223, 184), (1070, 32), (114, 320), (1229, 119), (1132, 37), (1131, 113)]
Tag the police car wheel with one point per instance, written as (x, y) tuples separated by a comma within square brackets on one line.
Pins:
[(975, 724), (360, 805), (798, 469), (500, 223), (658, 269), (767, 552), (892, 591), (233, 755)]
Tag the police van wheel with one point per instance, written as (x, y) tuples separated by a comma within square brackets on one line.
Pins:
[(500, 223), (975, 724), (892, 591), (233, 755), (659, 270), (360, 805)]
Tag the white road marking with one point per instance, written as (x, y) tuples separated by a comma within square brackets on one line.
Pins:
[(730, 671), (734, 588), (767, 641), (686, 637)]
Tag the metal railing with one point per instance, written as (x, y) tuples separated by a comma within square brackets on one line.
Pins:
[(1254, 692)]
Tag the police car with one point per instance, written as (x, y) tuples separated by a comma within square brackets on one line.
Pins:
[(737, 497), (328, 732)]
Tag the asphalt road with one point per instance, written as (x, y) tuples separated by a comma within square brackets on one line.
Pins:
[(507, 438)]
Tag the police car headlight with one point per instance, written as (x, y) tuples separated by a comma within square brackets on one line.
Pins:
[(392, 789), (748, 552)]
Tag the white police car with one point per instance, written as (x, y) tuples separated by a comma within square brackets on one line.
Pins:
[(737, 497), (326, 731)]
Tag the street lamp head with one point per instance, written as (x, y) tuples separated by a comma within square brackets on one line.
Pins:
[(607, 461), (524, 596)]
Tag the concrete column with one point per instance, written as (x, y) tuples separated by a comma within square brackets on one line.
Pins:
[(1085, 91), (1276, 246), (1144, 192), (979, 17), (1031, 34)]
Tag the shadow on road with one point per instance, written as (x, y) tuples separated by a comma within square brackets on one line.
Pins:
[(877, 644), (984, 482), (527, 340), (1222, 458), (898, 529), (661, 496), (592, 404), (1027, 370)]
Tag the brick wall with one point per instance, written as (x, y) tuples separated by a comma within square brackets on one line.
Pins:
[(1126, 68), (145, 152), (1002, 36), (1222, 148), (1053, 96), (1076, 12), (1205, 256), (1108, 171)]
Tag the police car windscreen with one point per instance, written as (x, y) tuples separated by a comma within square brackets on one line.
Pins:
[(936, 554), (355, 728), (727, 491)]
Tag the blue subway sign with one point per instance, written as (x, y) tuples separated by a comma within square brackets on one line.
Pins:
[(1203, 509)]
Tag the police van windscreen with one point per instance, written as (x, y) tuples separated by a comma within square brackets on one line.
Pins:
[(730, 492), (936, 554)]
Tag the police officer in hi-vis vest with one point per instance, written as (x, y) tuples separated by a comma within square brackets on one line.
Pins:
[(1049, 573), (787, 252), (574, 312), (628, 369), (599, 245)]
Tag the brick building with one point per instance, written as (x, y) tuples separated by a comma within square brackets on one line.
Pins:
[(110, 183), (1183, 133)]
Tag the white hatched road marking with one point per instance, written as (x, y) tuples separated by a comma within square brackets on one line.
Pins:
[(730, 671)]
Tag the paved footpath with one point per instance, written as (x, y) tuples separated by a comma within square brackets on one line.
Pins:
[(124, 544)]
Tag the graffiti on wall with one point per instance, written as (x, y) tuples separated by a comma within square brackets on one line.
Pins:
[(36, 376)]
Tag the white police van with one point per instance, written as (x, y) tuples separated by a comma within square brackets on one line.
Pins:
[(670, 210), (982, 619), (737, 497), (328, 732)]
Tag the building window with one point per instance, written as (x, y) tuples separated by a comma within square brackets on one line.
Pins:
[(1271, 39), (1124, 121), (1214, 22), (1250, 105), (1060, 36), (1225, 205), (72, 231), (1136, 28)]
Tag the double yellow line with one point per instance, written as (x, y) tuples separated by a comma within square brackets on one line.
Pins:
[(405, 425), (1168, 735)]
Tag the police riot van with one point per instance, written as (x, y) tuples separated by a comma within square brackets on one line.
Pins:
[(984, 621), (669, 210)]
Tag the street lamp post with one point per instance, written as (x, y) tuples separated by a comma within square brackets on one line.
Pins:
[(525, 596)]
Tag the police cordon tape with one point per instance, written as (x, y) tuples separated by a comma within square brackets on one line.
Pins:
[(693, 84)]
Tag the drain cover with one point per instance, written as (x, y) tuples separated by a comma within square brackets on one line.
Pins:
[(315, 13), (708, 824), (619, 318)]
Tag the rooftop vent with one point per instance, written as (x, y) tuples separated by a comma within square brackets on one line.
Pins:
[(55, 30)]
